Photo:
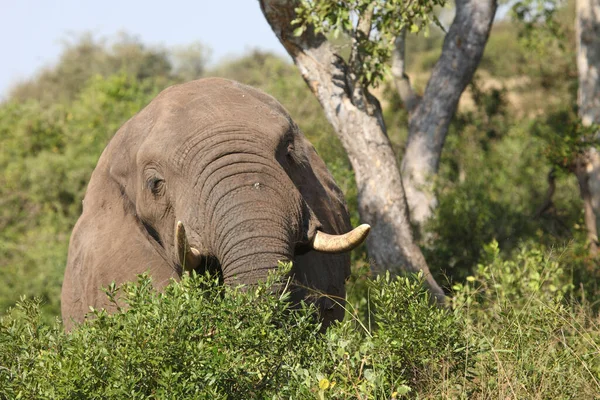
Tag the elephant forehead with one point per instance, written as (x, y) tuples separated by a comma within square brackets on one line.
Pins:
[(203, 104)]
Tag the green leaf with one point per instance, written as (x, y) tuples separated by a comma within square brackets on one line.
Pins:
[(299, 31)]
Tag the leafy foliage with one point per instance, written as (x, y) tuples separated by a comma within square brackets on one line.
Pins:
[(517, 123), (540, 25), (385, 19), (199, 339), (564, 146), (88, 57)]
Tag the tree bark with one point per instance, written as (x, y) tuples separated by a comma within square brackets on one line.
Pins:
[(587, 167), (357, 119), (430, 118), (588, 209), (401, 79)]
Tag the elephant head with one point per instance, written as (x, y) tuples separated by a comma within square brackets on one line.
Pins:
[(211, 174)]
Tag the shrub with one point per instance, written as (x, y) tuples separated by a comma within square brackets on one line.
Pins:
[(510, 332), (200, 339)]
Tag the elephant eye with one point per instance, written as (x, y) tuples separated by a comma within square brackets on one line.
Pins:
[(156, 185)]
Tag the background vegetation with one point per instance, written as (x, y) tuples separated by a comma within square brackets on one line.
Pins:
[(524, 292)]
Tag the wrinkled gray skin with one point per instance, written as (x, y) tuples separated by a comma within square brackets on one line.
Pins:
[(226, 160)]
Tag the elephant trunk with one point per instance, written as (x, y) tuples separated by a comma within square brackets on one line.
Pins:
[(255, 225), (253, 250)]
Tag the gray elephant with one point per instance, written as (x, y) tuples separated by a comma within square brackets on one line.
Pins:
[(211, 174)]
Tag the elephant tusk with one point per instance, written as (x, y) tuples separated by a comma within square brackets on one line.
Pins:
[(326, 243), (188, 256)]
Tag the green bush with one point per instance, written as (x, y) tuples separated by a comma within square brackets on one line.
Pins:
[(88, 56), (511, 330), (200, 339)]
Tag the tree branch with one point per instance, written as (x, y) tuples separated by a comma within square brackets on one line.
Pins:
[(401, 79), (461, 52), (428, 126), (588, 58), (548, 203), (583, 178), (363, 27), (358, 92)]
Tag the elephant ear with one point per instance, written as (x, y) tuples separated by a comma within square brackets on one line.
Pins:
[(108, 243), (121, 153), (325, 198), (324, 273)]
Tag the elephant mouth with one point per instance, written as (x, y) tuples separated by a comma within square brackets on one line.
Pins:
[(191, 258)]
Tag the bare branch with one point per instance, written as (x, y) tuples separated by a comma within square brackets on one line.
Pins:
[(362, 32), (358, 92), (588, 58), (401, 79), (364, 21)]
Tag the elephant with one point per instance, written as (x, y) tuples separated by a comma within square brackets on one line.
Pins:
[(211, 174)]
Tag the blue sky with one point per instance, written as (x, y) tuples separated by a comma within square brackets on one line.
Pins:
[(32, 32)]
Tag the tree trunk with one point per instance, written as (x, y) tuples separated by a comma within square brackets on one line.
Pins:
[(586, 195), (357, 119), (430, 116), (588, 99)]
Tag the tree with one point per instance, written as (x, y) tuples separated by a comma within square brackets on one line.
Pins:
[(342, 89), (576, 150), (87, 56), (430, 115), (189, 62), (587, 164)]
